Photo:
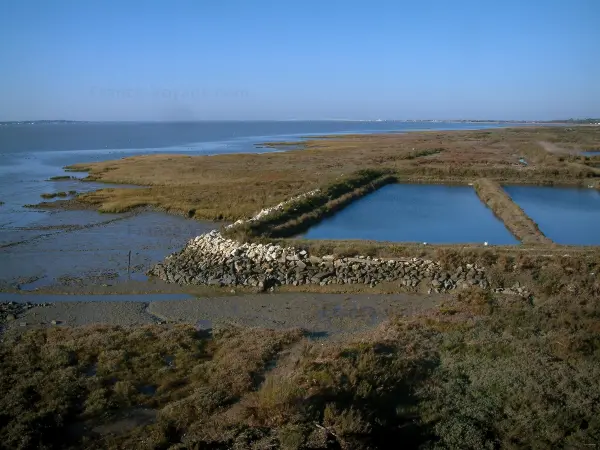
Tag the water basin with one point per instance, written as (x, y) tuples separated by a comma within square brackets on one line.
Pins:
[(416, 213), (568, 216)]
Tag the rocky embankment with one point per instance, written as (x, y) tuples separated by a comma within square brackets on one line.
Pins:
[(214, 260)]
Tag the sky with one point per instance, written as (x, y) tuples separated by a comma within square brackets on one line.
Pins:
[(241, 59)]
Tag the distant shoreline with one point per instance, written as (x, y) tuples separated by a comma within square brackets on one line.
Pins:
[(477, 121)]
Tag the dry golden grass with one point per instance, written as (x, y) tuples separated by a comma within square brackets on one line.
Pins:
[(236, 186)]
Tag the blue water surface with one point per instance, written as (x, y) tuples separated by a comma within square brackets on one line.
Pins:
[(416, 213), (569, 216)]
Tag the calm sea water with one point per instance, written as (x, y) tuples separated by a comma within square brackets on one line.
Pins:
[(416, 213), (568, 216)]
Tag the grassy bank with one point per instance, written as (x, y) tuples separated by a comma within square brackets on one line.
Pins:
[(479, 372), (299, 215), (514, 218)]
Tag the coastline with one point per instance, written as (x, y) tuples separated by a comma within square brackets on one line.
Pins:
[(229, 187)]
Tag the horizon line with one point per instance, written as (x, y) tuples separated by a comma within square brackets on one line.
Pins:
[(300, 120)]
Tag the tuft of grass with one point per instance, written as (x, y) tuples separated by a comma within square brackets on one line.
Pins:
[(61, 178), (425, 152), (55, 194)]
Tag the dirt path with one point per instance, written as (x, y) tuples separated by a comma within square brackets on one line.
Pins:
[(323, 315)]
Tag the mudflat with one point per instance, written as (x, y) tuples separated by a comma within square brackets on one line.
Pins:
[(322, 315)]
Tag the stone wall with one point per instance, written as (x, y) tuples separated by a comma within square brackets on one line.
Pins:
[(212, 259), (215, 260)]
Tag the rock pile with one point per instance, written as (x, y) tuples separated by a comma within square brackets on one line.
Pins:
[(215, 260)]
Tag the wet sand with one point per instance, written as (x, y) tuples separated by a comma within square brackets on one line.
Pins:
[(71, 250), (323, 315)]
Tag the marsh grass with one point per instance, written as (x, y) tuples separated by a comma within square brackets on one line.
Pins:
[(232, 187), (480, 371), (54, 379)]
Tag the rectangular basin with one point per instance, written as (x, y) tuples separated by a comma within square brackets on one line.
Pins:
[(434, 214), (569, 216)]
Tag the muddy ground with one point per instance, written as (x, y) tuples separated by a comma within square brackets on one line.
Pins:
[(70, 251), (323, 315)]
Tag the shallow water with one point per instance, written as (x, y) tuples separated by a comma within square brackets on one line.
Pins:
[(92, 248), (416, 213), (593, 153), (568, 216), (52, 298)]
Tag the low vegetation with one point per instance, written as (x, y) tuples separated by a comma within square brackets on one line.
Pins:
[(79, 387), (232, 187), (479, 372)]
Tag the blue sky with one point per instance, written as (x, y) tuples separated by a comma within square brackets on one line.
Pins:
[(230, 59)]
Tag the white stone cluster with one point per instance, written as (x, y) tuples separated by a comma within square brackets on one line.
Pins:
[(267, 211), (215, 260), (214, 243)]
